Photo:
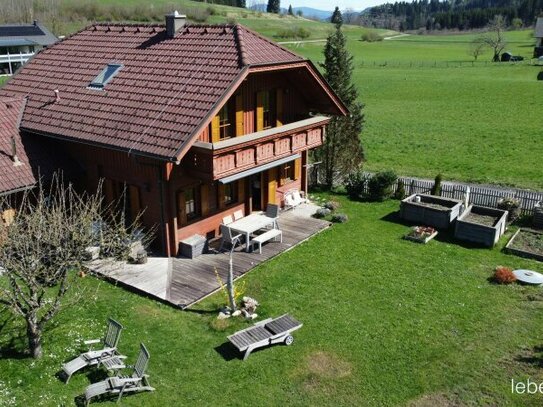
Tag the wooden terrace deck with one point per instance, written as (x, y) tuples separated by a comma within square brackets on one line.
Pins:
[(183, 282)]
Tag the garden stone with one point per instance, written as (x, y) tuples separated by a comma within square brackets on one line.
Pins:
[(223, 315), (236, 313)]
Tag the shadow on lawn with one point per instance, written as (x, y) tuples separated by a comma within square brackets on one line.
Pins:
[(12, 340), (533, 357), (228, 352)]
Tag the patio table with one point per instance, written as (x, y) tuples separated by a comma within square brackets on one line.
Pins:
[(250, 224)]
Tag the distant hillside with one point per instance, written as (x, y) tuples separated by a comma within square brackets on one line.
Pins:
[(313, 13), (450, 14)]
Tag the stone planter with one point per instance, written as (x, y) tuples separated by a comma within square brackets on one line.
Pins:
[(481, 225), (430, 210)]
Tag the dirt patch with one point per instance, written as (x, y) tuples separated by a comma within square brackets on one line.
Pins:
[(436, 400), (529, 241), (327, 365), (484, 220)]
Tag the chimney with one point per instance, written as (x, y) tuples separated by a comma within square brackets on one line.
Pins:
[(174, 22)]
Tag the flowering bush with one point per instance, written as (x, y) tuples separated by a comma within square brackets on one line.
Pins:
[(322, 212), (340, 218), (422, 232), (332, 205), (504, 275)]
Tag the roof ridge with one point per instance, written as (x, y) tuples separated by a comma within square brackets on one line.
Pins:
[(271, 42), (238, 37)]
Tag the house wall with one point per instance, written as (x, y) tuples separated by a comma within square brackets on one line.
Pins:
[(294, 105)]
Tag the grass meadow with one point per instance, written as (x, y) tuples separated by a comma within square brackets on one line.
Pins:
[(387, 322), (431, 109)]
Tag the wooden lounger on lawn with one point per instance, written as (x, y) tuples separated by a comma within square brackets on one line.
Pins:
[(264, 333)]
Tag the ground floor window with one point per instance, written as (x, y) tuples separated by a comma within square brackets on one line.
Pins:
[(230, 193), (188, 205), (287, 173)]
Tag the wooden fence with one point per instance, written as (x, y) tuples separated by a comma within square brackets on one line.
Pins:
[(478, 195), (483, 195)]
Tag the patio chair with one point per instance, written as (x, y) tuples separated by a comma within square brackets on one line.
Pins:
[(108, 355), (272, 211), (227, 220), (228, 237), (238, 214), (118, 385), (267, 332)]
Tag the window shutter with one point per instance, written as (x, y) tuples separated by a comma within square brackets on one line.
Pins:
[(279, 100), (216, 129), (260, 111), (272, 184), (298, 168), (239, 115)]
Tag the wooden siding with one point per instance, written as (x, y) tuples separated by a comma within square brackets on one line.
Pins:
[(290, 103)]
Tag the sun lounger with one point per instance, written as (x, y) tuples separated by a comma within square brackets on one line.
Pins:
[(106, 356), (267, 332)]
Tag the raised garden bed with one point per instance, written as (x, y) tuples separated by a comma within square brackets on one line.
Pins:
[(482, 225), (421, 234), (538, 215), (526, 243), (430, 210)]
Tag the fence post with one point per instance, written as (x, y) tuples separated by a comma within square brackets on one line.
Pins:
[(466, 197)]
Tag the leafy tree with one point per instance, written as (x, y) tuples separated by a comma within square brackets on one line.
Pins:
[(299, 13), (290, 12), (336, 18), (342, 151), (494, 38), (42, 249), (274, 6), (476, 48)]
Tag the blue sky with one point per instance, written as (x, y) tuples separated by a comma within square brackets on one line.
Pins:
[(330, 5)]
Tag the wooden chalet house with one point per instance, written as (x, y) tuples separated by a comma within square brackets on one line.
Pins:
[(197, 121)]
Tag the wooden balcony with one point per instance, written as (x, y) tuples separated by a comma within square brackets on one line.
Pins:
[(227, 157)]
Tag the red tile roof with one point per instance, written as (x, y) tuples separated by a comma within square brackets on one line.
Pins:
[(162, 95), (35, 159)]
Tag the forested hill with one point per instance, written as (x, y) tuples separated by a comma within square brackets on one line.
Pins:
[(451, 14)]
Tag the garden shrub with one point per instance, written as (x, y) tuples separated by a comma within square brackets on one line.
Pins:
[(332, 205), (512, 205), (436, 188), (380, 185), (371, 36), (400, 190), (355, 184), (294, 32), (339, 218), (504, 275), (321, 213)]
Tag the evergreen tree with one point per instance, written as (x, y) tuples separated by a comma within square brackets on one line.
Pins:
[(342, 151), (336, 18), (241, 3), (290, 12), (274, 6)]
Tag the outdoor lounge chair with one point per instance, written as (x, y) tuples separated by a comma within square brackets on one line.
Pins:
[(107, 356), (118, 385), (264, 333), (294, 198)]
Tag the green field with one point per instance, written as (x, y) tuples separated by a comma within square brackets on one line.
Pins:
[(430, 109), (386, 322)]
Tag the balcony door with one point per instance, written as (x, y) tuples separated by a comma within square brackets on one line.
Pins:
[(254, 196)]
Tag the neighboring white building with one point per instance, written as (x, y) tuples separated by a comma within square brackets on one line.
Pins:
[(19, 42)]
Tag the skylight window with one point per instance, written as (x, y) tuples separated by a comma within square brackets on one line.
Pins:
[(105, 76)]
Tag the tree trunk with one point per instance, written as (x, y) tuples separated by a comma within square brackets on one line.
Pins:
[(33, 333)]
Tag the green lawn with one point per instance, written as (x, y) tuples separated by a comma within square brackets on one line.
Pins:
[(429, 109), (386, 322)]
